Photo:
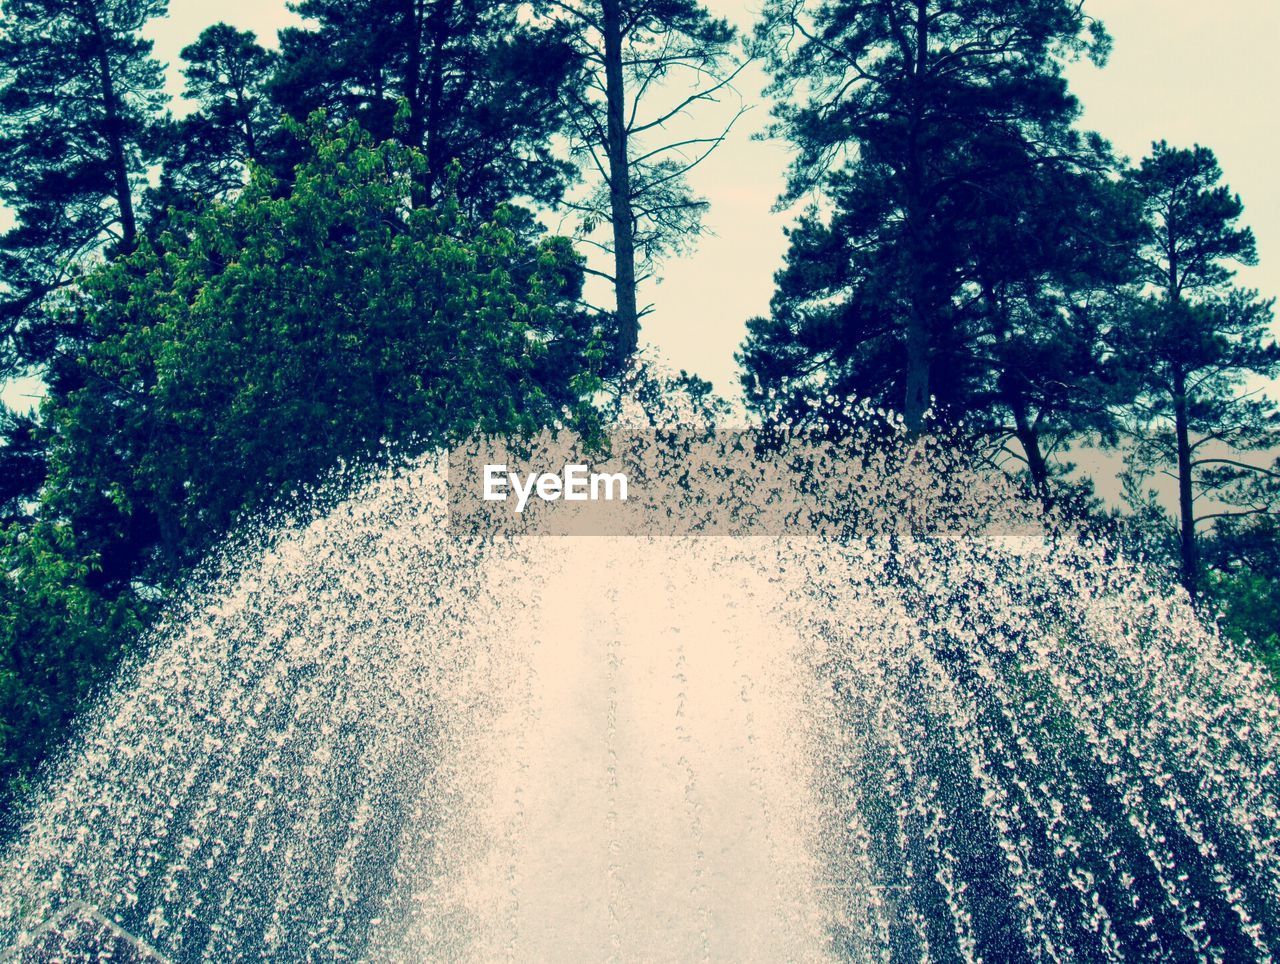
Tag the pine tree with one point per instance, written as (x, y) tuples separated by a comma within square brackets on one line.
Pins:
[(1194, 340), (22, 464), (464, 81), (80, 98), (1050, 258), (644, 64), (233, 123), (898, 109)]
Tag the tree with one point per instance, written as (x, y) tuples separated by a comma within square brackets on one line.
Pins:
[(461, 80), (897, 109), (80, 98), (226, 71), (328, 312), (59, 640), (1193, 340), (1039, 257), (644, 65), (335, 316), (22, 463), (1050, 257), (1242, 563)]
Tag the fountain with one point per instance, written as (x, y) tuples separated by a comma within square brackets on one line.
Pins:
[(917, 730)]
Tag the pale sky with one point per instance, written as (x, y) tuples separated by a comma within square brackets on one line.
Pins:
[(1183, 70), (1187, 71)]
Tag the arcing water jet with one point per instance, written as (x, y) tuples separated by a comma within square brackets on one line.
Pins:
[(896, 726)]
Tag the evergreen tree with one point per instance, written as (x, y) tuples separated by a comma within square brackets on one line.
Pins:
[(233, 123), (22, 464), (1194, 340), (1050, 257), (464, 81), (904, 111), (1038, 261), (80, 98), (644, 63)]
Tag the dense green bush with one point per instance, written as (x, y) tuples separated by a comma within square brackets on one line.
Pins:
[(246, 352)]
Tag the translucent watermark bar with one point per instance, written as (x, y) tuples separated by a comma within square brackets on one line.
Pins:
[(665, 483)]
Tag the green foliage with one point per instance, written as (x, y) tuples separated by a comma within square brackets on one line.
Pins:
[(271, 338), (338, 319), (941, 134), (22, 463), (59, 639), (1250, 606), (1242, 559)]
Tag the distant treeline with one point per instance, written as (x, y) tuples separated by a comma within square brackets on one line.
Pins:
[(337, 250)]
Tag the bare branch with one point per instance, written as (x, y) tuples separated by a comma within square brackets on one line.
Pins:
[(706, 94)]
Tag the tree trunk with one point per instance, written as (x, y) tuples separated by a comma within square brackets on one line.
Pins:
[(1186, 502), (918, 333), (917, 394), (624, 254), (427, 109), (113, 124), (250, 139), (416, 25), (1030, 442)]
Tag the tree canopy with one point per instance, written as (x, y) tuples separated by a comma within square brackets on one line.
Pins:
[(335, 317), (919, 121), (1193, 339), (464, 81), (80, 107)]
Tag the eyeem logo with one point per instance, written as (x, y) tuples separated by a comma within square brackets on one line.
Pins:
[(574, 484)]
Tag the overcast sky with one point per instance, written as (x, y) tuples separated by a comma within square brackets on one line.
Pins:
[(1188, 71), (1184, 70)]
